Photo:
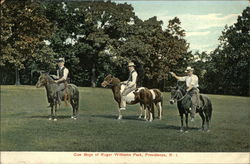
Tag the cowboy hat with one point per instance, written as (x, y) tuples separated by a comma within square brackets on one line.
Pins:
[(60, 60), (189, 69), (131, 64)]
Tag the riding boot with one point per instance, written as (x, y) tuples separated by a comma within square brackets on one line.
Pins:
[(123, 103)]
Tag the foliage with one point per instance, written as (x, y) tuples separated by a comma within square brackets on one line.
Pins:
[(23, 31), (227, 67)]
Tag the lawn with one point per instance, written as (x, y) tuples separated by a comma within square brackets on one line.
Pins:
[(25, 125)]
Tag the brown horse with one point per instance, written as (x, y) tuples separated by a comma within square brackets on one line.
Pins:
[(71, 94), (117, 88), (150, 98)]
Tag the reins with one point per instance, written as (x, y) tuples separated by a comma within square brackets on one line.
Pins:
[(181, 94), (182, 97)]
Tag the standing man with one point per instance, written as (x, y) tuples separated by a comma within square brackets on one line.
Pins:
[(130, 84), (192, 88), (61, 77)]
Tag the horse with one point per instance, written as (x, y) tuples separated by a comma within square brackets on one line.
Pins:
[(184, 103), (117, 88), (71, 94), (150, 98)]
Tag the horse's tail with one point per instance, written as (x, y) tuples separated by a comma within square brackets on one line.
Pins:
[(77, 98), (66, 98), (162, 104), (75, 95), (210, 110)]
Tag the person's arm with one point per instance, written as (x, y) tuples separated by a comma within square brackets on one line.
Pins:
[(124, 82), (65, 75), (178, 77), (55, 77)]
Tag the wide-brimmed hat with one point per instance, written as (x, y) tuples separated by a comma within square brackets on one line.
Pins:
[(189, 69), (60, 60), (131, 64)]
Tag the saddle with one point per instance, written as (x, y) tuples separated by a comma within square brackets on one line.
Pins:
[(64, 94)]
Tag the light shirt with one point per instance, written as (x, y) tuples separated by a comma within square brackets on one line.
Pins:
[(65, 73), (134, 77), (190, 80), (133, 82)]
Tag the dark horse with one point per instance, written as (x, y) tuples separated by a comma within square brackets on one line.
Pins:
[(183, 99), (71, 94)]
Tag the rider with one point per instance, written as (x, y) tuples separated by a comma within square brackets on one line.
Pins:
[(130, 84), (61, 77), (192, 88)]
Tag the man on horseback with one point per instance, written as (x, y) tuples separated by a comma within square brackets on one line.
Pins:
[(192, 88), (62, 77), (130, 84)]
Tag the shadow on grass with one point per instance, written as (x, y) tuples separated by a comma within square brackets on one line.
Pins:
[(173, 127), (47, 116), (114, 117)]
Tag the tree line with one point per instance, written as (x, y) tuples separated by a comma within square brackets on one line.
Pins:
[(100, 37)]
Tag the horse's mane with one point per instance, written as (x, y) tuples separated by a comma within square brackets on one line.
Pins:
[(49, 78), (116, 81)]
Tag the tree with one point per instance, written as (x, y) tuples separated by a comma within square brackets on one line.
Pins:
[(23, 31), (155, 50), (230, 60), (91, 29)]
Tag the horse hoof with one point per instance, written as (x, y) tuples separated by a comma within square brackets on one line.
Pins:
[(181, 131), (55, 119), (50, 118), (208, 131), (186, 131), (74, 118)]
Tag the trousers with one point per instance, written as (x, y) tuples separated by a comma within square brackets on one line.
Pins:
[(126, 91), (195, 94), (60, 88)]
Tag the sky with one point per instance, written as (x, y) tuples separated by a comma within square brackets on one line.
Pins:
[(202, 20)]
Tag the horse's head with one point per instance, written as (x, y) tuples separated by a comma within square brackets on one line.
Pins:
[(137, 94), (176, 94), (110, 81), (42, 80), (140, 93), (107, 81)]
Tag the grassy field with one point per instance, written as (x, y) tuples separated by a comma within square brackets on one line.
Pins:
[(25, 125)]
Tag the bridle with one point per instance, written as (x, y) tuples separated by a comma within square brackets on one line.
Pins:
[(178, 91)]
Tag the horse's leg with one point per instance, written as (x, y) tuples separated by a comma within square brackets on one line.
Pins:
[(73, 108), (55, 118), (140, 111), (151, 112), (51, 112), (145, 112), (207, 121), (119, 114), (203, 119), (159, 110), (186, 116), (181, 115)]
